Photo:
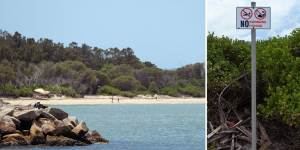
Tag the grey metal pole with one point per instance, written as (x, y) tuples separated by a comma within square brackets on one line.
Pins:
[(253, 85)]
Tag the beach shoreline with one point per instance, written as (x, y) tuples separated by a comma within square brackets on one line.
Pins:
[(103, 100)]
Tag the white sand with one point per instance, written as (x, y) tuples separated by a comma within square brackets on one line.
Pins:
[(92, 100)]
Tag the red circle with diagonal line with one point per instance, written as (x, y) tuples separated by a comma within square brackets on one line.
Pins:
[(246, 13), (260, 13)]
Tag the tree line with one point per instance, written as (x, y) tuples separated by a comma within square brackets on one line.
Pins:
[(77, 70)]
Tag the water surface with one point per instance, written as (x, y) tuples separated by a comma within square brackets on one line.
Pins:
[(142, 127)]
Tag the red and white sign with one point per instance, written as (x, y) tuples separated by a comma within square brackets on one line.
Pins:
[(257, 18)]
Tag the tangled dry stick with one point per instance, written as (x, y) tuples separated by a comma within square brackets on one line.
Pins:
[(234, 133)]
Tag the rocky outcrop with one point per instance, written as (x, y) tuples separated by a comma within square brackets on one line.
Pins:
[(26, 125)]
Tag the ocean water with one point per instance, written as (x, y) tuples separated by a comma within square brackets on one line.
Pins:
[(141, 127)]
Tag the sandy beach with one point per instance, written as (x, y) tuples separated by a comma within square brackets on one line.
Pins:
[(92, 100)]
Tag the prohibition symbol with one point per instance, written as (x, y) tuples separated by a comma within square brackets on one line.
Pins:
[(246, 13), (260, 13)]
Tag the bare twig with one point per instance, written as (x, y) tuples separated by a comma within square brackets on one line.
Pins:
[(214, 131), (232, 142)]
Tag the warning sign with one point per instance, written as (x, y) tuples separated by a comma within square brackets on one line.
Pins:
[(257, 18)]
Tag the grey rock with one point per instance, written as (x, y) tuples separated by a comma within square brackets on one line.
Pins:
[(26, 115), (57, 113), (45, 114)]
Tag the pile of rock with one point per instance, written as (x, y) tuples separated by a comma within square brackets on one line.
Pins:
[(26, 125)]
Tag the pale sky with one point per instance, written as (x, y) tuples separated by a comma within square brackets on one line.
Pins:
[(221, 17), (169, 33)]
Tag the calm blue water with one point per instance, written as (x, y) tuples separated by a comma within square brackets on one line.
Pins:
[(142, 127)]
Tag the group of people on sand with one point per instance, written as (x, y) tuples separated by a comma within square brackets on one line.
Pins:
[(118, 99), (112, 99)]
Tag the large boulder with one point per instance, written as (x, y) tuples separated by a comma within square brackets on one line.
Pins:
[(62, 141), (26, 115), (47, 126), (36, 134), (15, 139), (55, 127), (95, 137), (7, 127), (6, 111), (71, 121), (81, 129), (12, 119), (57, 113), (47, 115), (61, 128)]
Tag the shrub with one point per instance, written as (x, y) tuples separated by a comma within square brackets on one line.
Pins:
[(7, 74), (8, 90), (25, 91), (62, 90), (126, 83), (172, 91), (121, 70), (128, 94), (153, 87), (108, 90), (192, 90)]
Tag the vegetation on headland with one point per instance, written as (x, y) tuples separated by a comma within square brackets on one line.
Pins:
[(73, 70), (278, 81)]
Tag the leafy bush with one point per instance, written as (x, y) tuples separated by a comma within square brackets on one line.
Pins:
[(126, 83), (121, 70), (108, 90), (128, 94), (11, 90), (279, 70), (25, 91), (7, 74), (192, 90), (62, 90), (8, 90), (172, 91)]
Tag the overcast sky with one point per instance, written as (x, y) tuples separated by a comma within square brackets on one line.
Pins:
[(169, 33), (221, 17)]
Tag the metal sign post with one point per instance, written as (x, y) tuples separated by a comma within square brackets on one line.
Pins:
[(253, 85), (253, 18)]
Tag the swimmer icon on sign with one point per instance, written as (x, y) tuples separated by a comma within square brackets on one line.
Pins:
[(246, 13)]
